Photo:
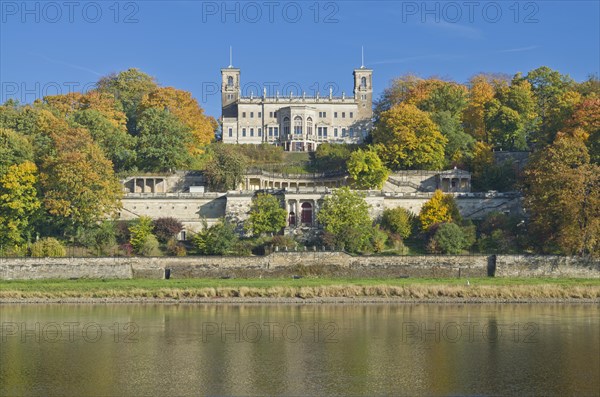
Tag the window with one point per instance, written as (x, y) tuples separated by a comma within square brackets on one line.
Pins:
[(251, 131), (335, 115), (351, 115), (363, 82), (275, 114), (298, 125), (230, 132), (324, 132), (259, 115), (351, 132), (309, 126), (364, 97), (260, 132), (320, 131), (243, 115), (276, 131), (324, 114), (251, 115), (243, 132), (229, 96), (271, 114), (335, 132), (343, 132), (270, 131), (286, 126), (230, 81), (343, 115)]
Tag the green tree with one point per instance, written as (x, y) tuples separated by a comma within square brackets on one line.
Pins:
[(218, 239), (549, 88), (19, 202), (118, 146), (161, 139), (398, 221), (15, 148), (367, 170), (562, 197), (332, 157), (266, 215), (225, 168), (129, 88), (407, 138), (345, 215)]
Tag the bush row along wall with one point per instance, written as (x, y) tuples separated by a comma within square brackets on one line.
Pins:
[(283, 264)]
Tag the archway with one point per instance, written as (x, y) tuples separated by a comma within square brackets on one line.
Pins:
[(307, 212)]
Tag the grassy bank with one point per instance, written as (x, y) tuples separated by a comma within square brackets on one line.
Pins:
[(500, 289)]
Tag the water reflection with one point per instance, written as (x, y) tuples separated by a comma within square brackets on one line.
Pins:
[(300, 349)]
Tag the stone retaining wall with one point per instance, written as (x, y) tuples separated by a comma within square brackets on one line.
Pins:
[(286, 264)]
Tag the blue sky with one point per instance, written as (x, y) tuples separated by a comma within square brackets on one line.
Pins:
[(52, 47)]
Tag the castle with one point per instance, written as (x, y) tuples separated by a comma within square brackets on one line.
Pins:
[(298, 124)]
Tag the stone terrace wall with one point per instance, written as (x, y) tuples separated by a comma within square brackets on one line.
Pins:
[(546, 266), (306, 263)]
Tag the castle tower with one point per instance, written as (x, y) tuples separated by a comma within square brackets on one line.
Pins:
[(363, 92), (230, 86)]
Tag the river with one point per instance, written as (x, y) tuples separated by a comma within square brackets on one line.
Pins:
[(288, 349)]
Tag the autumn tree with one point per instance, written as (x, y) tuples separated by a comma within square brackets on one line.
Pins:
[(187, 110), (68, 104), (407, 138), (19, 202), (562, 197), (161, 139), (439, 209), (345, 216), (266, 215), (78, 183), (481, 92), (166, 228), (367, 170)]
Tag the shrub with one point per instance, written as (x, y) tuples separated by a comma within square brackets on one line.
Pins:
[(141, 232), (283, 242), (219, 239), (166, 228), (175, 248), (449, 239), (48, 247), (378, 239), (398, 221), (150, 247)]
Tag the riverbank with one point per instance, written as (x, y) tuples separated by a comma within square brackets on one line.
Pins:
[(317, 290)]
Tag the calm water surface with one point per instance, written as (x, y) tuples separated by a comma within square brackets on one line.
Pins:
[(246, 349)]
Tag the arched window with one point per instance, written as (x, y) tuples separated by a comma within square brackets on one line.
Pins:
[(286, 125), (363, 82), (298, 125), (309, 126), (307, 211), (230, 81)]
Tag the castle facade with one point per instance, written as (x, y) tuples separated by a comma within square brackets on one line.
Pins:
[(298, 124)]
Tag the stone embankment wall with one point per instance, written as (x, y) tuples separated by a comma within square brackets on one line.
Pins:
[(286, 264)]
